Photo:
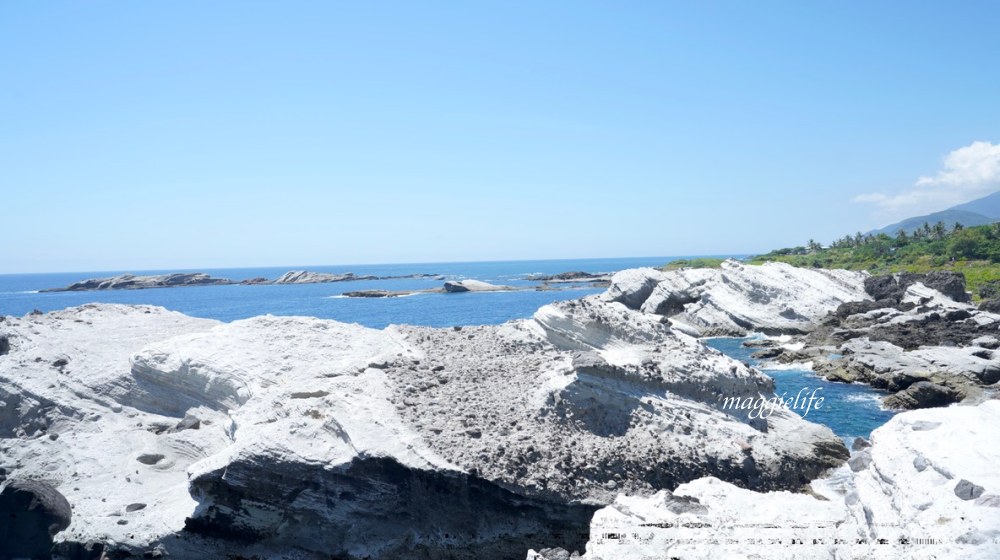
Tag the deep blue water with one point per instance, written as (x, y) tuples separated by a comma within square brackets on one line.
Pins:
[(228, 303), (850, 410)]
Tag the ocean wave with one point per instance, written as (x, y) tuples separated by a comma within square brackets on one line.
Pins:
[(804, 367), (863, 397)]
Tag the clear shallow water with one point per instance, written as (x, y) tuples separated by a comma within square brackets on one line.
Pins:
[(227, 303), (850, 410)]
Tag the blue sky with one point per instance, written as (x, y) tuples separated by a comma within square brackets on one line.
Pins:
[(138, 135)]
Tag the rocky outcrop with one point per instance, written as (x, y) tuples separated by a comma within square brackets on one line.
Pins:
[(574, 276), (923, 394), (458, 286), (892, 288), (928, 487), (32, 513), (306, 277), (774, 298), (922, 338), (199, 439), (132, 282)]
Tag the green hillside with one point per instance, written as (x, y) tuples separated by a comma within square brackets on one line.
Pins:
[(973, 251)]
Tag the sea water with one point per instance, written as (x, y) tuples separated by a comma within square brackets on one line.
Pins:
[(849, 409), (19, 292)]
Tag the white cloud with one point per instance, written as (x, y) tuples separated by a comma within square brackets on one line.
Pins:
[(966, 174)]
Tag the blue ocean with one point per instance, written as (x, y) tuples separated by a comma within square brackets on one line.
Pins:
[(850, 410), (18, 292)]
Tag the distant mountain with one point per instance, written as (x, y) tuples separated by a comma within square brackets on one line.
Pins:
[(949, 217), (988, 206), (978, 212)]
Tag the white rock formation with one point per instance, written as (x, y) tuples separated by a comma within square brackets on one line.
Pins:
[(133, 282), (290, 433), (307, 277), (735, 298), (927, 488), (470, 285)]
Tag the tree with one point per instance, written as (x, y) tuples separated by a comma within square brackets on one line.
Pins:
[(967, 244), (939, 230), (957, 227)]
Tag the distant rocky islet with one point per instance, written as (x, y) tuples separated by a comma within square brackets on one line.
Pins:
[(134, 282), (298, 277)]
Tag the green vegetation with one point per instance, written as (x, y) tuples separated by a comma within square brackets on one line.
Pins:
[(973, 251), (694, 263)]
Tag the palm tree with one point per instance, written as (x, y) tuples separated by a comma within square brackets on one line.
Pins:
[(939, 230)]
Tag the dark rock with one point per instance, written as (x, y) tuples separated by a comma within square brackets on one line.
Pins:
[(957, 315), (990, 305), (990, 290), (32, 513), (150, 458), (860, 443), (892, 288), (930, 331), (4, 344), (189, 422), (849, 308), (989, 375), (767, 353), (923, 394), (760, 343), (951, 284), (967, 490), (368, 294), (135, 507), (564, 276), (792, 356), (441, 510), (254, 281), (883, 287)]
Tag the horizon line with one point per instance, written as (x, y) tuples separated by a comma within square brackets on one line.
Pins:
[(414, 263)]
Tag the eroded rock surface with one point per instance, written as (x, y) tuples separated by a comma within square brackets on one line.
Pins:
[(928, 487), (774, 298), (299, 434)]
